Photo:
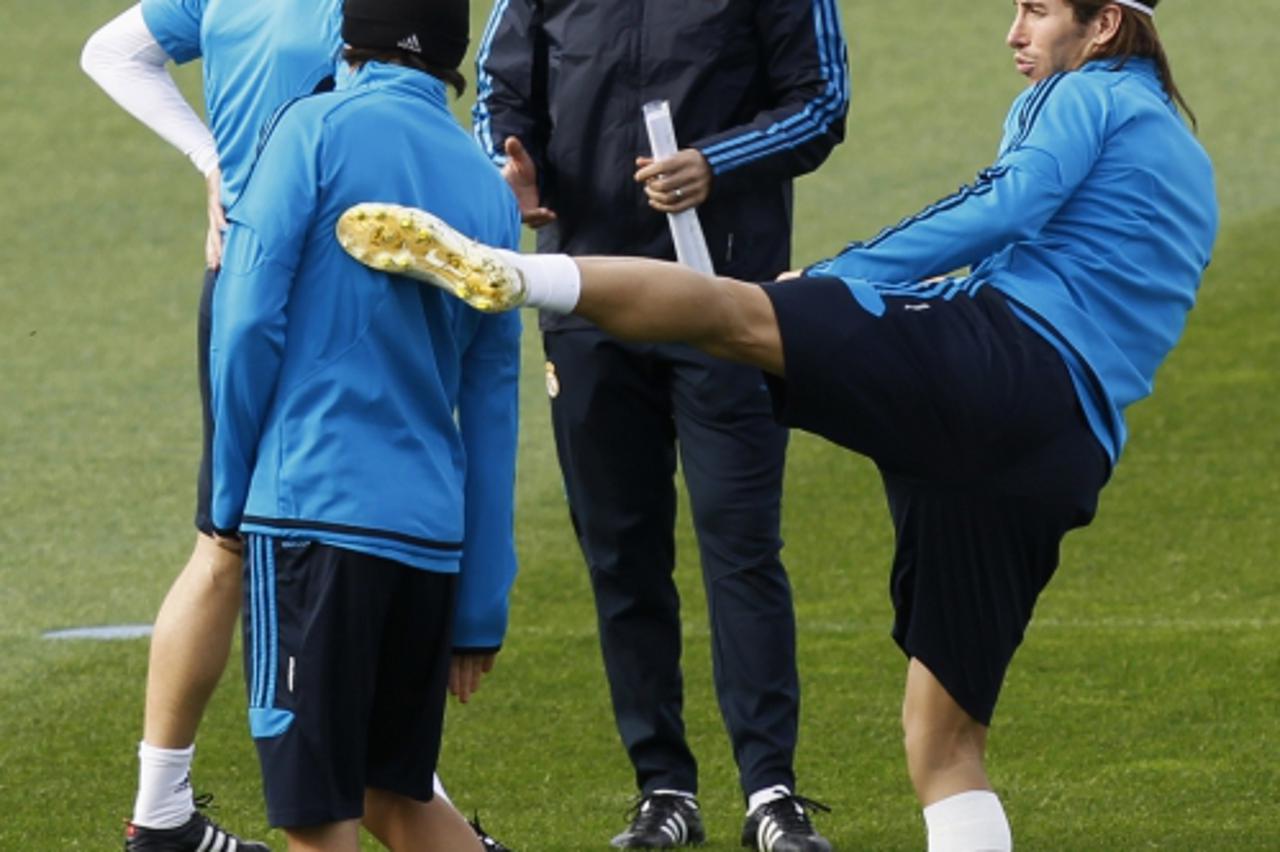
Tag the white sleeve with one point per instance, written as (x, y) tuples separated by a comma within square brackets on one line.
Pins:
[(124, 58)]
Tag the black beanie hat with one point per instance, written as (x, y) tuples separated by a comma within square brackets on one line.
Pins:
[(436, 30)]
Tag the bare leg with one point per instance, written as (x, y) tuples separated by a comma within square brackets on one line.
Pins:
[(331, 837), (406, 825), (656, 300), (945, 745), (191, 643)]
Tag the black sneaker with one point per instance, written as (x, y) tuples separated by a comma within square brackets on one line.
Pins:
[(783, 826), (486, 841), (662, 821), (199, 834)]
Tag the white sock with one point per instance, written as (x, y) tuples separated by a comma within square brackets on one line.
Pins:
[(693, 800), (766, 795), (438, 788), (554, 281), (164, 787), (973, 821)]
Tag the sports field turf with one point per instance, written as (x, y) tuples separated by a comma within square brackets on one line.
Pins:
[(1143, 712)]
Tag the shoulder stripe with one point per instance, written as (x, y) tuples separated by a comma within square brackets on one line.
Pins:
[(816, 115), (1032, 108)]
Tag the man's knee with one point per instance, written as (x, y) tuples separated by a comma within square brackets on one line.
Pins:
[(939, 737)]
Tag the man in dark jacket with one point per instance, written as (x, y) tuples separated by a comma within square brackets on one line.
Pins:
[(758, 94)]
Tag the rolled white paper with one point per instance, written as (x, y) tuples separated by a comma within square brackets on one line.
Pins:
[(686, 230)]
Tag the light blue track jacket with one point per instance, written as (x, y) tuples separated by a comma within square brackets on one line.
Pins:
[(1097, 220), (256, 55), (355, 408)]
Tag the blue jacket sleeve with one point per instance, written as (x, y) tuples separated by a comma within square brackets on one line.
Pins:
[(250, 300), (1053, 137), (808, 75), (510, 95), (488, 418)]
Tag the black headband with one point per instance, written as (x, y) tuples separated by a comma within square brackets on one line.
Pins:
[(436, 30)]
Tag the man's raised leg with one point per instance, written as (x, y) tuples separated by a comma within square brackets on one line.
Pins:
[(631, 298)]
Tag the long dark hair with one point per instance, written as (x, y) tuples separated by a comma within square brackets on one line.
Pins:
[(1136, 36), (361, 55)]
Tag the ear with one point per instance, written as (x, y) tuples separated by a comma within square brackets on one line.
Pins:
[(1105, 25)]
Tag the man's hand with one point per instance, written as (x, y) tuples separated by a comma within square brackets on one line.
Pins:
[(680, 182), (217, 219), (465, 671), (521, 174)]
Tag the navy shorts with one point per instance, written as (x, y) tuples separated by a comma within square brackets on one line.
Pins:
[(346, 658), (985, 453), (204, 480)]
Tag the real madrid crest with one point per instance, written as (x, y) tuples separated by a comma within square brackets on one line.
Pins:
[(553, 381)]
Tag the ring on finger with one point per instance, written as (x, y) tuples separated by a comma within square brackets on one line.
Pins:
[(679, 193)]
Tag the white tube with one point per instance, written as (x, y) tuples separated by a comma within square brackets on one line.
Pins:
[(686, 230)]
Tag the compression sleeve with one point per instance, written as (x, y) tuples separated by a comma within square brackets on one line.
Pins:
[(124, 58)]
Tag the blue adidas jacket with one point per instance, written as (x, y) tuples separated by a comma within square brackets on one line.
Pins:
[(355, 408), (1097, 220)]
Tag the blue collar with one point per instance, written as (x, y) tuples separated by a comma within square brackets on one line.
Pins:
[(1144, 65), (400, 76)]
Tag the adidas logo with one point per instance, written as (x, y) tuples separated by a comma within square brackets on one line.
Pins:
[(410, 43), (676, 828)]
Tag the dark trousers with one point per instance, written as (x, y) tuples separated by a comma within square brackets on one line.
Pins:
[(619, 412)]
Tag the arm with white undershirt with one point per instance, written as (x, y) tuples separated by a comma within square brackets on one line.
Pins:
[(124, 58)]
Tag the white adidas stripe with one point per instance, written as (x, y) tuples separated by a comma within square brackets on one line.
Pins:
[(767, 835), (676, 828), (215, 840)]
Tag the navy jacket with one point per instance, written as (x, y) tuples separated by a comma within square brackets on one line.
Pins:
[(759, 86)]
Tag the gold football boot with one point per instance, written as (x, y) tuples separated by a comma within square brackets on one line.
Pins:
[(407, 241)]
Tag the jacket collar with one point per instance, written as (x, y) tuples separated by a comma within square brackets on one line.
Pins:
[(390, 74)]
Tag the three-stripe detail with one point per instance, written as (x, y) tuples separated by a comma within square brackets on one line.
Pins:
[(217, 840), (676, 828), (810, 121), (265, 656), (482, 118)]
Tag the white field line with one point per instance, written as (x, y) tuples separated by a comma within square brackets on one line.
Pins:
[(697, 628)]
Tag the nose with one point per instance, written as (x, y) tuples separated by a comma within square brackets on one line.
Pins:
[(1016, 36)]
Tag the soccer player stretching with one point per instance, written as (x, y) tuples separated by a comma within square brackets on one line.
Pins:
[(992, 401)]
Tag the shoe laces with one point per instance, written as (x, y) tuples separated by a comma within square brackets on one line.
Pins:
[(488, 842), (791, 813)]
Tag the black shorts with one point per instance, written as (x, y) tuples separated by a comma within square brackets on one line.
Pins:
[(346, 658), (204, 479), (986, 456)]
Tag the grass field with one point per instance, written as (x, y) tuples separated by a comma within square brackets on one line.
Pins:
[(1143, 711)]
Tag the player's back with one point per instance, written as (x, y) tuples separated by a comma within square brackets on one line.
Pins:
[(362, 432)]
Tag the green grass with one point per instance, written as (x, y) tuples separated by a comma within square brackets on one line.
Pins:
[(1140, 714)]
